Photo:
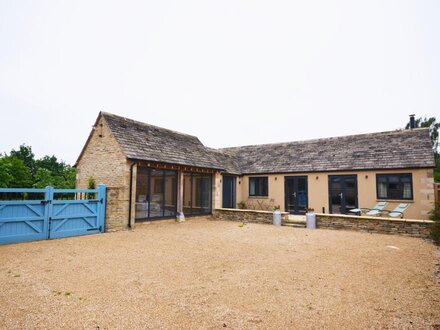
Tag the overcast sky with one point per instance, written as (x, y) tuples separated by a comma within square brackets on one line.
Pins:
[(230, 72)]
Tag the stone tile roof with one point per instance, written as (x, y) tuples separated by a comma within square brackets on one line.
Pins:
[(229, 162), (387, 150), (141, 141)]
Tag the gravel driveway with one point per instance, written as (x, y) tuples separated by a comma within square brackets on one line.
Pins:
[(214, 274)]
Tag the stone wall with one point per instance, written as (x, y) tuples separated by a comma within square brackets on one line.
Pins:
[(103, 160), (246, 215), (406, 227), (116, 210)]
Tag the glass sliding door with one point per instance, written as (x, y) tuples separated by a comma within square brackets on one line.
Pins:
[(197, 193), (342, 193), (296, 195), (142, 193), (205, 191), (187, 182), (170, 185), (156, 193)]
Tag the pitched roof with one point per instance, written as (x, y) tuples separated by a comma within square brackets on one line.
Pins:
[(387, 150), (400, 149), (229, 162), (142, 141)]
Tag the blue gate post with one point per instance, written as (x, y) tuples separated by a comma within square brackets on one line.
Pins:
[(48, 199), (101, 213)]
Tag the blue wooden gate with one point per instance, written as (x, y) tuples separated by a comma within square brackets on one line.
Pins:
[(51, 217)]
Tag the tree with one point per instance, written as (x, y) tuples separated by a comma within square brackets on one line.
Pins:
[(434, 215), (43, 178), (67, 179), (433, 130), (27, 156), (5, 173), (20, 169), (15, 174), (434, 127), (63, 175), (437, 169)]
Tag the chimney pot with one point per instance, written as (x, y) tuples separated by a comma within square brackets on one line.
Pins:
[(412, 122)]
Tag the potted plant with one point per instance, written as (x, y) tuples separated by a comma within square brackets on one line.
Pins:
[(277, 215), (310, 218), (242, 205)]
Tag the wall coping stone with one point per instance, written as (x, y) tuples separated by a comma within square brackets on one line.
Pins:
[(360, 218), (248, 211)]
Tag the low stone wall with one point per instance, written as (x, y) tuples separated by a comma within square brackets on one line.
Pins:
[(246, 215), (406, 227)]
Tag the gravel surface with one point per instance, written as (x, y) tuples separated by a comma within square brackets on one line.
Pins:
[(214, 274)]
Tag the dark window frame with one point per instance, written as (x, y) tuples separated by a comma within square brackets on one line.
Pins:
[(192, 176), (400, 183), (257, 186), (150, 191)]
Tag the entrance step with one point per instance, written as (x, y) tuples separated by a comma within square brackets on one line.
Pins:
[(294, 220), (296, 225), (296, 217)]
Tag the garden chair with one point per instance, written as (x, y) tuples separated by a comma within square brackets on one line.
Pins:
[(375, 211), (397, 212)]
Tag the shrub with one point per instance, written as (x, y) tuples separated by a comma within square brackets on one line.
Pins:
[(435, 229), (91, 184), (242, 205)]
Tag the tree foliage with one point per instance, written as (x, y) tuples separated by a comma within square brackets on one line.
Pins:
[(27, 156), (435, 229), (434, 127), (14, 173), (20, 169)]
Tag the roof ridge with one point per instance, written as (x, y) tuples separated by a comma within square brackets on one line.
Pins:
[(397, 131), (105, 113)]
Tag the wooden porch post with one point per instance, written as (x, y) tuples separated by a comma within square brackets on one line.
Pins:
[(180, 215)]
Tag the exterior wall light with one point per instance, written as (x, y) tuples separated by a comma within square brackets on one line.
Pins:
[(317, 177), (366, 177)]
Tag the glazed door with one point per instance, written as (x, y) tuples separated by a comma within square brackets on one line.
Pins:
[(228, 191), (342, 193), (296, 195)]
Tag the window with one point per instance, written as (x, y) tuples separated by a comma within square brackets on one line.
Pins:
[(394, 186), (258, 186)]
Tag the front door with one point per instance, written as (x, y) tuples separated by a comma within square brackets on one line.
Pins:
[(342, 193), (295, 192), (228, 192)]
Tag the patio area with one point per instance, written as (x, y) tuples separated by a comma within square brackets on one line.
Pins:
[(216, 274)]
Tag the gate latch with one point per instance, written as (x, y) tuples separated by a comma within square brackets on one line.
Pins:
[(45, 202)]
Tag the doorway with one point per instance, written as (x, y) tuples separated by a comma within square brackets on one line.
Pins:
[(228, 192), (296, 194), (342, 193)]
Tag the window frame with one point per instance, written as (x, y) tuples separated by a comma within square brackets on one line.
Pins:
[(157, 188), (259, 194), (199, 194), (400, 176)]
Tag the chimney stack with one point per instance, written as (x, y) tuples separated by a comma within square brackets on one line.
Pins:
[(412, 122)]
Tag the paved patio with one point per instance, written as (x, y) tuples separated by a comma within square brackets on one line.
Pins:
[(215, 274)]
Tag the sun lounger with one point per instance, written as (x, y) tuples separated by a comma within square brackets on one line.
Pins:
[(397, 212), (375, 211)]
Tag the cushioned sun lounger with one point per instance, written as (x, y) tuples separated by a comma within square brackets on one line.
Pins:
[(397, 212), (375, 211)]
